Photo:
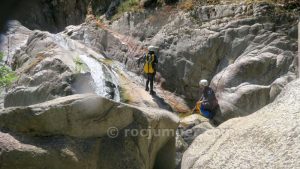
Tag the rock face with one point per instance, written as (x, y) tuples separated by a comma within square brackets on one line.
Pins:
[(55, 15), (92, 35), (11, 41), (245, 59), (247, 54), (77, 135), (53, 65), (267, 138)]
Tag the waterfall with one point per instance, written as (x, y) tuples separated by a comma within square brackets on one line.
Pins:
[(105, 79)]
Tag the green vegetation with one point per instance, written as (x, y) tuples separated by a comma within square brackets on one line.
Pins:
[(7, 77), (79, 65), (128, 6), (125, 97)]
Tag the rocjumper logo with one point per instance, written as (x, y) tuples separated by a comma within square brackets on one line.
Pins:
[(114, 132)]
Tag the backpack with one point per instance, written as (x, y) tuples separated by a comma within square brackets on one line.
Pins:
[(148, 66)]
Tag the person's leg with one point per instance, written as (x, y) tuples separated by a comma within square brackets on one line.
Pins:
[(151, 83), (147, 82)]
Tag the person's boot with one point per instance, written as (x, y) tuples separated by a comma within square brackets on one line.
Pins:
[(152, 92), (147, 88)]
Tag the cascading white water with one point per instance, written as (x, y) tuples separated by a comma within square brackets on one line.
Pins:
[(100, 77), (96, 73), (105, 79)]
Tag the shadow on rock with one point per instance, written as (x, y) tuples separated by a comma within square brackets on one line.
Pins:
[(161, 103)]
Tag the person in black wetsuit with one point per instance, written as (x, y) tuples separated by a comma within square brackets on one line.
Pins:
[(208, 100), (150, 65)]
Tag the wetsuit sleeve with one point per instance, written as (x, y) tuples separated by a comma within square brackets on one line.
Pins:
[(155, 59), (211, 97)]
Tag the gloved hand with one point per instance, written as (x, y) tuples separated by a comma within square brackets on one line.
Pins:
[(198, 106)]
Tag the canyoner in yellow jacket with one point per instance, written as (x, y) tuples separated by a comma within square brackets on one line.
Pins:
[(150, 61)]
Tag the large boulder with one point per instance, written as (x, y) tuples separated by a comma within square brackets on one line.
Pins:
[(86, 130), (266, 139)]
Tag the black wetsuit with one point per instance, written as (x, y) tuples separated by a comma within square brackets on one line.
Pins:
[(209, 101)]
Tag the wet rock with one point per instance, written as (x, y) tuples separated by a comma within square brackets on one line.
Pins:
[(51, 66), (81, 83)]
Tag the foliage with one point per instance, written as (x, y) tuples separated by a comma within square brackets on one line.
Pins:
[(7, 77), (128, 6), (79, 65)]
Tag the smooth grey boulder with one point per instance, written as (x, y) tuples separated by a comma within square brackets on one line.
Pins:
[(266, 138), (76, 132)]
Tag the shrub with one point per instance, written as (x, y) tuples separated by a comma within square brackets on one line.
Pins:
[(128, 6), (7, 77)]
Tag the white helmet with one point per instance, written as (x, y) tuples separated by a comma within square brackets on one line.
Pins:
[(203, 82), (153, 48)]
